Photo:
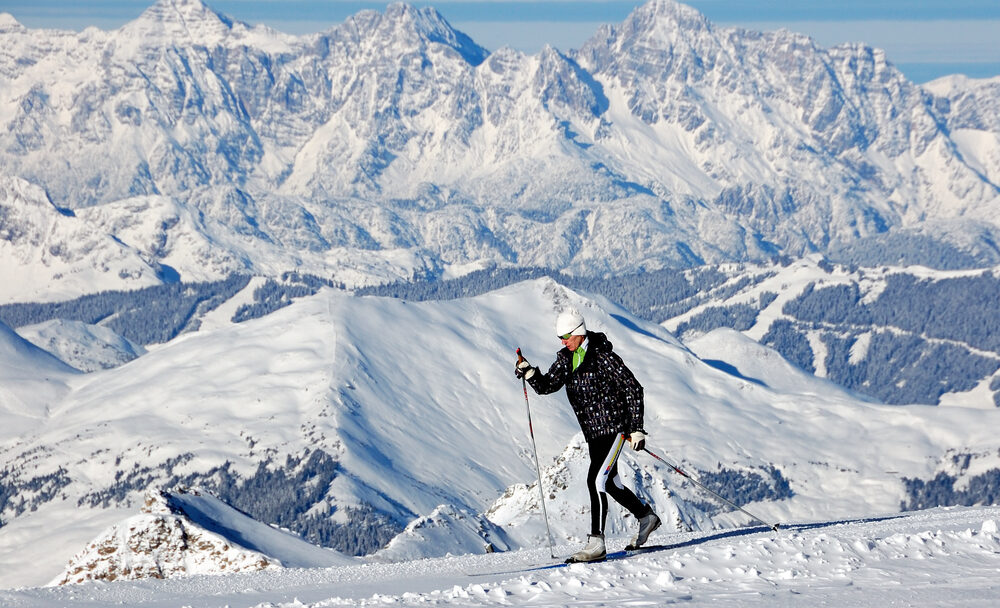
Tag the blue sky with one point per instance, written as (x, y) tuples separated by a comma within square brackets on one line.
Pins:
[(924, 38)]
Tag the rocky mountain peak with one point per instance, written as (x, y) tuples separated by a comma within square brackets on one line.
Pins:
[(185, 531), (669, 11), (176, 21), (405, 23), (656, 34), (9, 24), (182, 10), (161, 541), (661, 24)]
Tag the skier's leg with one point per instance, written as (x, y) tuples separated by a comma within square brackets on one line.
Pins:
[(602, 454), (622, 495), (648, 520)]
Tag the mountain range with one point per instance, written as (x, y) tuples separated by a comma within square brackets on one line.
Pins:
[(186, 145)]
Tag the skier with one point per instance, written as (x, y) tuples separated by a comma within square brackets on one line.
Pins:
[(607, 401)]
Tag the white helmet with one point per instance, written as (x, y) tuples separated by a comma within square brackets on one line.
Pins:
[(570, 322)]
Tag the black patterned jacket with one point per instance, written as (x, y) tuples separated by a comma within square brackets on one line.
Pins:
[(604, 394)]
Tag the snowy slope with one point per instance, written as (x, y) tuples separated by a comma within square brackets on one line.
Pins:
[(31, 380), (760, 364), (973, 115), (945, 557), (86, 347), (413, 406)]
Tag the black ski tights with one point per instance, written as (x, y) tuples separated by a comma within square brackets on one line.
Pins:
[(604, 453)]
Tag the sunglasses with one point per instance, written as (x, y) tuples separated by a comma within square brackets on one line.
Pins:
[(570, 334)]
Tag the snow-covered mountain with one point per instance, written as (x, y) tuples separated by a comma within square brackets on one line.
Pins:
[(393, 146), (83, 346), (353, 420), (972, 110), (899, 335), (186, 532)]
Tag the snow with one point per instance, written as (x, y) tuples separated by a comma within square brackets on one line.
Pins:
[(291, 550), (30, 380), (940, 557), (40, 254), (222, 316), (445, 526), (759, 364), (981, 396), (186, 532), (788, 283), (84, 346), (416, 403)]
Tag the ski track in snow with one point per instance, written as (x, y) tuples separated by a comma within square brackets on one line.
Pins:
[(940, 557)]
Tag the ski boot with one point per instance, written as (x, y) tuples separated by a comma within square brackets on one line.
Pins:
[(593, 551), (647, 523)]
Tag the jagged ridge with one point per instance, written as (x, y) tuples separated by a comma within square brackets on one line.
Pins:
[(393, 145)]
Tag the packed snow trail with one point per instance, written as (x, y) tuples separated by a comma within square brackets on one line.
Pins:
[(940, 557)]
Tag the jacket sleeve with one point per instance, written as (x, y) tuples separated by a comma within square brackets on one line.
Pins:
[(554, 379), (629, 391)]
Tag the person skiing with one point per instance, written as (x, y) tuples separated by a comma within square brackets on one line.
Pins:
[(608, 403)]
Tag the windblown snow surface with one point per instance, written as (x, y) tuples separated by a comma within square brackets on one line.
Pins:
[(939, 557)]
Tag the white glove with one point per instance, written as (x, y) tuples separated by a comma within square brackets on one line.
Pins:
[(638, 440), (523, 369)]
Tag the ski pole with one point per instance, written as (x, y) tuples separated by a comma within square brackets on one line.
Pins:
[(709, 490), (538, 468)]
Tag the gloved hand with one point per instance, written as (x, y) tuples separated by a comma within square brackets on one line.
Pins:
[(638, 440), (523, 369)]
